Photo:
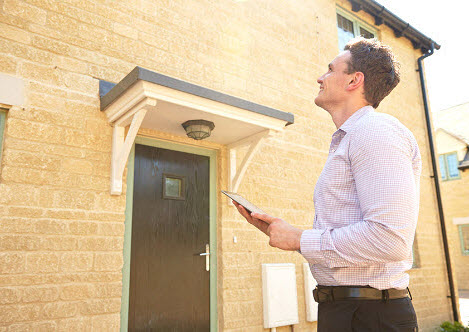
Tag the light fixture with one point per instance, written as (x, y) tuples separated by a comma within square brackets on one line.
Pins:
[(198, 129)]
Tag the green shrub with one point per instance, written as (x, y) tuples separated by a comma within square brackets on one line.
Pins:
[(453, 327)]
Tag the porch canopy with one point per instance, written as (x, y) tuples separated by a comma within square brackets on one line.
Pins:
[(146, 99)]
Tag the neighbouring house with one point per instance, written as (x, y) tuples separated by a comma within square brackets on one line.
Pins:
[(452, 141), (111, 217)]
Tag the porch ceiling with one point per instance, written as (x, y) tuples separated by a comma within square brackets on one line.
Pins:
[(178, 101)]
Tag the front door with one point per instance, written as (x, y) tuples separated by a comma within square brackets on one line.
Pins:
[(169, 281)]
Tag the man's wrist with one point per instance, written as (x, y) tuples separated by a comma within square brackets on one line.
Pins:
[(298, 239)]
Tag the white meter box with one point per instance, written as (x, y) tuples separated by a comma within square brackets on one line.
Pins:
[(310, 284), (279, 295)]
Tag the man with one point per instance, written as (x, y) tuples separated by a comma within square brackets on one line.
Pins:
[(366, 200)]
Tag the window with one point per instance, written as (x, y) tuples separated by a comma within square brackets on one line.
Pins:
[(2, 127), (415, 254), (464, 236), (348, 27), (449, 166), (174, 186)]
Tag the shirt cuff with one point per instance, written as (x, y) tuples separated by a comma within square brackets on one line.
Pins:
[(310, 245)]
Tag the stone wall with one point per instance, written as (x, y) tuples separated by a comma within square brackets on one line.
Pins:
[(61, 232)]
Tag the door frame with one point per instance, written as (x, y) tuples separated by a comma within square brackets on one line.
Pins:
[(212, 154)]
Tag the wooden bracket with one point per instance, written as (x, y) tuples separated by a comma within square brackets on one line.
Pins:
[(254, 141), (121, 144)]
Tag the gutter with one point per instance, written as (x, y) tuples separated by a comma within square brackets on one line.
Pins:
[(437, 183), (399, 26)]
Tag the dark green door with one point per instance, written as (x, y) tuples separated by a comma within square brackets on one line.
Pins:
[(169, 283)]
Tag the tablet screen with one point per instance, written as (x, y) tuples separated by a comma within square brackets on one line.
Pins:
[(244, 202)]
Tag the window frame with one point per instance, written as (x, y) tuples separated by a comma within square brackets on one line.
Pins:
[(461, 238), (447, 173), (415, 254), (357, 22), (3, 116)]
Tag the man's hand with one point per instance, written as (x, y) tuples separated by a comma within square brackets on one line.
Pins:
[(282, 235)]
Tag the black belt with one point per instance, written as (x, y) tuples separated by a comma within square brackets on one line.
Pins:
[(333, 293)]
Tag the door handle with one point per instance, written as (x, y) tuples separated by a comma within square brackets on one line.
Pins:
[(207, 257)]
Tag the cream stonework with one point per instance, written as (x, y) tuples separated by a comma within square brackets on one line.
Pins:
[(451, 136), (62, 233)]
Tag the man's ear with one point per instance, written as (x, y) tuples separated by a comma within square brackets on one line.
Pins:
[(356, 81)]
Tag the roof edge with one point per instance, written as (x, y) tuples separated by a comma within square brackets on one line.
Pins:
[(458, 137), (399, 26), (139, 73)]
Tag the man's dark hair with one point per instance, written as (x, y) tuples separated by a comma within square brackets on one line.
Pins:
[(377, 63)]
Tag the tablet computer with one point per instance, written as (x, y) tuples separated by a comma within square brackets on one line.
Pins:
[(243, 201)]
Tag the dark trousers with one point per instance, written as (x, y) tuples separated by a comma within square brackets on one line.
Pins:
[(367, 315)]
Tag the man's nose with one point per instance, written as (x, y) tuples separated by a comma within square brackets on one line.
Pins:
[(320, 79)]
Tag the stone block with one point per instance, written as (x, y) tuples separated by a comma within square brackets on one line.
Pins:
[(51, 45), (42, 262), (12, 263), (76, 261), (35, 131), (13, 33), (51, 226), (98, 307), (40, 293), (9, 295), (19, 242), (59, 310), (75, 324), (77, 166), (105, 323), (111, 229), (125, 30), (107, 290), (83, 227), (100, 243), (8, 64), (44, 326), (25, 11), (74, 199), (41, 73), (108, 261), (25, 211), (59, 243), (75, 292)]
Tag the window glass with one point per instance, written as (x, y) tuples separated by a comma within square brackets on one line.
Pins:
[(365, 33), (452, 162), (464, 235), (2, 128), (173, 187), (442, 167), (345, 28)]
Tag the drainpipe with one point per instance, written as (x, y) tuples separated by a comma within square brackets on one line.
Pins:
[(437, 184)]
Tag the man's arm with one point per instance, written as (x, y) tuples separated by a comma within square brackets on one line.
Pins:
[(381, 163)]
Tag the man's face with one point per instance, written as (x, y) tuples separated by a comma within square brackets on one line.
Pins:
[(333, 84)]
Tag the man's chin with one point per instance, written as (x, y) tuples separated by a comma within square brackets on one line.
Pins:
[(317, 101)]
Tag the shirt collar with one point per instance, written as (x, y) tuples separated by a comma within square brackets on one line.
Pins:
[(350, 122)]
